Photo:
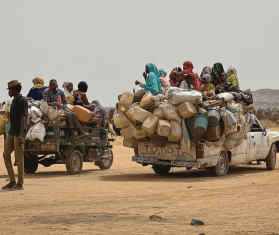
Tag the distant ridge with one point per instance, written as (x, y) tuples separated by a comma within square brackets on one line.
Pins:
[(266, 98)]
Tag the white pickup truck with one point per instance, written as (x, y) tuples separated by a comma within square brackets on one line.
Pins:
[(259, 145)]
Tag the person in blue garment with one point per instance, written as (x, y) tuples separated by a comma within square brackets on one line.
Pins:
[(36, 92), (151, 76)]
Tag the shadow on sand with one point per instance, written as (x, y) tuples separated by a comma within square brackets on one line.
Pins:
[(192, 175), (49, 174)]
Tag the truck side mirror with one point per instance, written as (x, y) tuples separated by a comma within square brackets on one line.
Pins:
[(264, 132)]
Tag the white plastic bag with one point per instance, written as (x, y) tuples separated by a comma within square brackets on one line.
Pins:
[(35, 113), (37, 131), (226, 96), (178, 96)]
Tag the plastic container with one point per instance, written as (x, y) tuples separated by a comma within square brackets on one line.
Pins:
[(190, 127), (213, 133), (164, 128), (3, 122), (138, 95), (149, 126), (200, 124), (126, 99), (120, 120), (214, 117), (83, 114), (187, 110), (130, 143), (137, 131), (176, 131), (126, 132)]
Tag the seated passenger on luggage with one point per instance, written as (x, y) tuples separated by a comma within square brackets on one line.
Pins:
[(36, 92), (68, 90), (232, 76), (165, 84), (206, 84), (152, 81), (188, 82), (180, 77), (173, 79), (80, 92), (98, 110), (51, 96), (224, 85)]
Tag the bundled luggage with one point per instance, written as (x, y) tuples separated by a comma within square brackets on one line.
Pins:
[(182, 117)]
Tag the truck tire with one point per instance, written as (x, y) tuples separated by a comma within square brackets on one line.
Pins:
[(161, 170), (74, 162), (271, 158), (30, 165), (221, 169), (106, 163)]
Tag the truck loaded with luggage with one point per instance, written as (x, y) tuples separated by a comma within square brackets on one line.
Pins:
[(49, 141), (183, 129)]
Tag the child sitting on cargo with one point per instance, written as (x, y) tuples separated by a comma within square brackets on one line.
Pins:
[(180, 77), (206, 84), (224, 85), (188, 82), (173, 77)]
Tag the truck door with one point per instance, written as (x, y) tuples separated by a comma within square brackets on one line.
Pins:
[(239, 153), (258, 142)]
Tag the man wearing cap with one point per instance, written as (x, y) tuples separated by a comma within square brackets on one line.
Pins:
[(16, 136)]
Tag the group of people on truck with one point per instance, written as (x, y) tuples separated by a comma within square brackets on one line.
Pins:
[(53, 96), (212, 79)]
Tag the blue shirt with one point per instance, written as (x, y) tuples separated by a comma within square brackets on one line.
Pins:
[(36, 94)]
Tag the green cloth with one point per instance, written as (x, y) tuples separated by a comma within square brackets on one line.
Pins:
[(153, 83), (233, 80)]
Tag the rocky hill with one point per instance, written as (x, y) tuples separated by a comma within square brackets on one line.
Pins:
[(266, 98)]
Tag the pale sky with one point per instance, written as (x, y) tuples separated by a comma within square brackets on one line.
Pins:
[(107, 43)]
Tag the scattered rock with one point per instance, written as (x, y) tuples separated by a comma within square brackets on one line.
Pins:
[(172, 217), (201, 234), (253, 182), (190, 186), (197, 222), (155, 218)]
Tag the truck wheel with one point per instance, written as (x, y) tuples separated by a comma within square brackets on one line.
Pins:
[(271, 158), (30, 165), (221, 169), (106, 163), (161, 170), (74, 163)]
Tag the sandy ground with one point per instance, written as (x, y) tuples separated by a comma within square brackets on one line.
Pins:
[(121, 199)]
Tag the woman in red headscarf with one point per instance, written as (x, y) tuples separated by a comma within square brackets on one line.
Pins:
[(172, 77), (188, 69)]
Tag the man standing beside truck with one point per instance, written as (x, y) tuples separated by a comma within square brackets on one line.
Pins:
[(16, 136)]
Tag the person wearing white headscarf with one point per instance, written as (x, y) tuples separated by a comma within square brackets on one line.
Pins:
[(68, 89), (206, 84), (232, 76)]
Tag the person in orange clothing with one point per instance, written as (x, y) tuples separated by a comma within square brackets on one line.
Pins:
[(188, 69)]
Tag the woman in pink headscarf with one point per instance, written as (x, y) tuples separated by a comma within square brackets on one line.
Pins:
[(188, 69)]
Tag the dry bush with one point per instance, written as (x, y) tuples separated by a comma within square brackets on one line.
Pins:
[(270, 124)]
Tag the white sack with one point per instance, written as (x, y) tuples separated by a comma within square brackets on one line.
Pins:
[(178, 96), (37, 131)]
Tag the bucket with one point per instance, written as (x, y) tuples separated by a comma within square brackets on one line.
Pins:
[(190, 127), (214, 117), (214, 133), (252, 118), (200, 124)]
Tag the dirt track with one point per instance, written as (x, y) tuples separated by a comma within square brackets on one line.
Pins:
[(121, 199)]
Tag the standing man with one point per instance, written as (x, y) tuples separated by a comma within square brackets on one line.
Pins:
[(16, 137)]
